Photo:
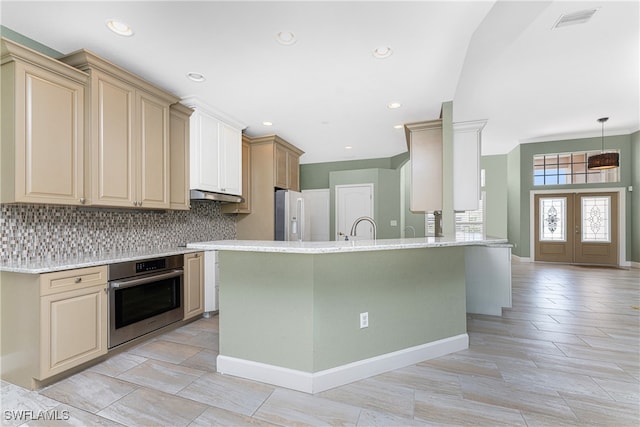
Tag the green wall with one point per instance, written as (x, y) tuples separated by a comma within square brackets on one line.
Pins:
[(496, 190), (301, 311), (520, 170), (635, 198)]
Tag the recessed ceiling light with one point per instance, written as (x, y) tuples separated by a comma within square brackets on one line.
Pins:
[(348, 147), (119, 27), (286, 38), (382, 52), (267, 123), (394, 105), (196, 77), (398, 127)]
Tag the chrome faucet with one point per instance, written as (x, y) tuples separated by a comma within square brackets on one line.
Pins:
[(358, 221)]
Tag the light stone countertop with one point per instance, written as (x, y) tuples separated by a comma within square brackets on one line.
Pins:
[(38, 266), (347, 246)]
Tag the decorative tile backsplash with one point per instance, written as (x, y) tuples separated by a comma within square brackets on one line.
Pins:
[(30, 232)]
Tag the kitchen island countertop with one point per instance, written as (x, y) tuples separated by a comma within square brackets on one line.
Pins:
[(347, 246)]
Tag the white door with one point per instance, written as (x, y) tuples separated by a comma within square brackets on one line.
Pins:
[(317, 203), (352, 202)]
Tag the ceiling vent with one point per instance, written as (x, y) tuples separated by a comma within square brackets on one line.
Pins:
[(575, 18)]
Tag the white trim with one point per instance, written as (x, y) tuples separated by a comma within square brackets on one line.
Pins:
[(520, 259), (324, 380), (634, 264), (622, 209)]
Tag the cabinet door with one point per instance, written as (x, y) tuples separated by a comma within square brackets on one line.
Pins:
[(230, 159), (193, 284), (205, 173), (152, 166), (49, 137), (425, 149), (73, 329), (281, 169), (112, 143), (179, 160), (293, 165)]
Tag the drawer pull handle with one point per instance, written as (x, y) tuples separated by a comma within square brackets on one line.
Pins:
[(78, 279)]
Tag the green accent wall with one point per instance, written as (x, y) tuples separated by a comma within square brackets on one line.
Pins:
[(496, 191), (635, 198), (30, 43), (301, 311)]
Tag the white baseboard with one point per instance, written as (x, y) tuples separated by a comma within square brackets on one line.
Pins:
[(633, 264), (520, 259), (324, 380)]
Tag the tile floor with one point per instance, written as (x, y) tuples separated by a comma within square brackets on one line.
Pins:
[(567, 353)]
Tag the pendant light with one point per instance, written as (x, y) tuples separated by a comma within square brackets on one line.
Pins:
[(604, 160)]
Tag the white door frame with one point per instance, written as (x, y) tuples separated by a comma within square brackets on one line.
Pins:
[(337, 209), (622, 214)]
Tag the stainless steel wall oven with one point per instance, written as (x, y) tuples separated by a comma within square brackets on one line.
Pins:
[(144, 296)]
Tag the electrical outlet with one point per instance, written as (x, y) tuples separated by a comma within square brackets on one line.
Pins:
[(364, 320)]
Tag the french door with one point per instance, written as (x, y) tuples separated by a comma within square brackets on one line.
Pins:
[(577, 228)]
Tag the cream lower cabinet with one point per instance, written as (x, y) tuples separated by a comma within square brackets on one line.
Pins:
[(193, 284), (42, 129), (128, 148), (51, 323)]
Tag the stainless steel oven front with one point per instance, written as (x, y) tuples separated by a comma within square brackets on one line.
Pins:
[(144, 296)]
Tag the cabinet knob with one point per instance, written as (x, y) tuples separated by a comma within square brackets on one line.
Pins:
[(78, 279), (82, 200)]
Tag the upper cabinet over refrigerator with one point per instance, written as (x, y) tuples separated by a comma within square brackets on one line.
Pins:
[(216, 150)]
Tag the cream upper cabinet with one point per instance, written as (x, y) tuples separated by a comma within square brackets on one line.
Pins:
[(42, 128), (128, 150), (216, 150), (466, 164), (179, 156), (287, 168), (424, 140)]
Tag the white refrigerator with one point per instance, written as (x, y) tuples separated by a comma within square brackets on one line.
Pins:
[(292, 220)]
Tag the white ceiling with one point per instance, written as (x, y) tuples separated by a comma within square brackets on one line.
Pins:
[(499, 61)]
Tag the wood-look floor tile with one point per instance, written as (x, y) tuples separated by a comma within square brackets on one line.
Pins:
[(205, 360), (223, 418), (371, 418), (89, 391), (162, 376), (114, 366), (621, 391), (374, 394), (424, 377), (146, 407), (167, 351), (227, 392), (592, 411), (444, 410), (569, 329), (289, 408), (16, 401), (593, 368), (66, 415)]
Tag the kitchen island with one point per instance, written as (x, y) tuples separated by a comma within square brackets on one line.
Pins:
[(292, 313)]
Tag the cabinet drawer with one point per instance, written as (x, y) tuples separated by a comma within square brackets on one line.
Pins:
[(62, 281)]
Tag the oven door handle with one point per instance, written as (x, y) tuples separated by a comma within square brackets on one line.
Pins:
[(123, 284)]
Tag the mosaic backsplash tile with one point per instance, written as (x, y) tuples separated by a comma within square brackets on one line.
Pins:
[(30, 232)]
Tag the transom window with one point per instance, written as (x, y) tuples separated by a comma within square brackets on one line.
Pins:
[(570, 168)]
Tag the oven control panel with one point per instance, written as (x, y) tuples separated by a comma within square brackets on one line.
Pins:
[(152, 265)]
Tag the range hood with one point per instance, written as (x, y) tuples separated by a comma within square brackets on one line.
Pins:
[(215, 197)]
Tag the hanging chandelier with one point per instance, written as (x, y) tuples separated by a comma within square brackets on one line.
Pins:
[(603, 160)]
